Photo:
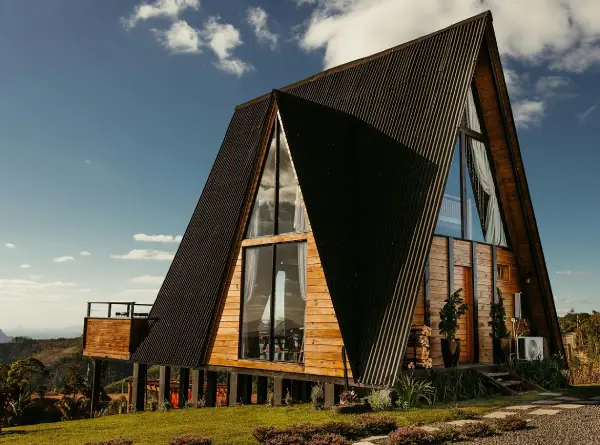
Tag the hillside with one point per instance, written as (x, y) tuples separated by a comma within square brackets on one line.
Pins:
[(3, 337)]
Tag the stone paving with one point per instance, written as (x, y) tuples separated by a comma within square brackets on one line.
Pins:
[(537, 408)]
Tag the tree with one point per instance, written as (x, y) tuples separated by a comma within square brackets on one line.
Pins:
[(498, 317)]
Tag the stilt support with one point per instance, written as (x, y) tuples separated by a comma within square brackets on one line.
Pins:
[(164, 386), (329, 395), (277, 390), (232, 389), (138, 393), (95, 399), (197, 386)]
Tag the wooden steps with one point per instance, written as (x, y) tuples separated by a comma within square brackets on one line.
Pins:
[(507, 383)]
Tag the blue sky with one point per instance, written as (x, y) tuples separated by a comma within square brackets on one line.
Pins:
[(111, 114)]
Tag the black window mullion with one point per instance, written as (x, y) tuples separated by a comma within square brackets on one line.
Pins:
[(276, 231), (463, 184)]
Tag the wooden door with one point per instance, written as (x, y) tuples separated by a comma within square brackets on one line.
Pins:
[(462, 280)]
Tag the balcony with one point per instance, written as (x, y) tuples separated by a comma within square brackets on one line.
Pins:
[(112, 330)]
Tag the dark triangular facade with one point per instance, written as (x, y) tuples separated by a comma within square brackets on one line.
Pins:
[(372, 143)]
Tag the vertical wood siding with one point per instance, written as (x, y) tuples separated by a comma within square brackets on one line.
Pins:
[(438, 258), (323, 339)]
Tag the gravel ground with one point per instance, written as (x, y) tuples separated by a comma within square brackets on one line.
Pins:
[(569, 427)]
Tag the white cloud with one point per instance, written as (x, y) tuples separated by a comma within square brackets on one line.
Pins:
[(157, 238), (148, 279), (159, 8), (528, 112), (85, 290), (33, 276), (223, 38), (25, 266), (305, 2), (10, 246), (257, 17), (143, 254), (63, 259), (180, 38), (551, 86), (87, 161), (564, 34), (572, 272), (583, 116), (85, 253), (20, 286)]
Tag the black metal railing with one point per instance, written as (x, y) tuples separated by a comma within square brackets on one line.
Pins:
[(119, 309)]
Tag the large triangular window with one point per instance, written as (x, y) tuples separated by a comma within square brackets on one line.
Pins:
[(277, 207), (471, 208)]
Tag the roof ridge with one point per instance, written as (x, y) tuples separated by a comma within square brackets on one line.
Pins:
[(352, 63)]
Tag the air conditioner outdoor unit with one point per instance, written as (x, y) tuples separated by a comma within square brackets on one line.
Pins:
[(530, 348)]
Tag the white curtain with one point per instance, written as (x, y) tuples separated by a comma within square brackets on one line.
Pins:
[(302, 269), (299, 216), (494, 230), (250, 272)]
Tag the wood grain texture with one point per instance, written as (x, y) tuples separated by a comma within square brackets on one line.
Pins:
[(462, 278), (322, 342), (112, 338)]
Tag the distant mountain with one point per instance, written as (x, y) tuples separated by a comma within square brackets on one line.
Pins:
[(41, 333), (4, 338)]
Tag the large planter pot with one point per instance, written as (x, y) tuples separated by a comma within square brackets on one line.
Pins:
[(502, 350), (450, 352), (350, 409)]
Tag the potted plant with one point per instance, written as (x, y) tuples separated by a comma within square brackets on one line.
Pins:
[(454, 308), (500, 333)]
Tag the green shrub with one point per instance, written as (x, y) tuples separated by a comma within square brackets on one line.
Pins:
[(190, 439), (454, 384), (117, 405), (547, 373), (447, 434), (317, 396), (412, 392), (373, 425), (119, 441), (477, 429), (511, 423), (411, 436), (380, 400), (498, 317), (463, 414)]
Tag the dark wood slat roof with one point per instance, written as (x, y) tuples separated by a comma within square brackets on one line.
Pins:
[(413, 95)]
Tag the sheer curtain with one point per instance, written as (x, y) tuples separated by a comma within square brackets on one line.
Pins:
[(250, 273), (302, 269), (299, 216), (494, 230)]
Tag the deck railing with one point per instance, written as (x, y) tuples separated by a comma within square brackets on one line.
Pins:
[(118, 309)]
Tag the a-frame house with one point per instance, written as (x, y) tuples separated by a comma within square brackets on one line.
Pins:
[(341, 211)]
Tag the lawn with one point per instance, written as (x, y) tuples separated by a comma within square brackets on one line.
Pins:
[(224, 425)]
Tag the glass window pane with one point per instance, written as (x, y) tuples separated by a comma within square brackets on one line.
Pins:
[(474, 227), (262, 219), (291, 210), (471, 116), (450, 219), (290, 302), (256, 316), (484, 192)]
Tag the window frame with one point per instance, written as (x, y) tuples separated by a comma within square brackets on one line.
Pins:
[(462, 134), (275, 131), (271, 358)]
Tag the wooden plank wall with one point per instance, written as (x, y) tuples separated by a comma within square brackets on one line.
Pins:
[(323, 339), (108, 338), (514, 195), (438, 259)]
